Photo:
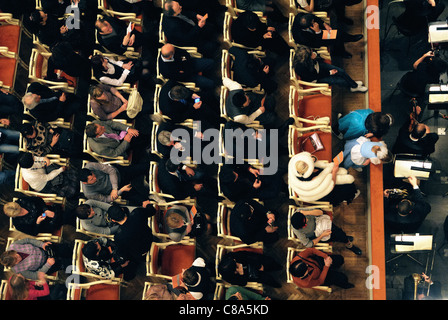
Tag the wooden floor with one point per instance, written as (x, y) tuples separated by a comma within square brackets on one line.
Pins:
[(351, 218)]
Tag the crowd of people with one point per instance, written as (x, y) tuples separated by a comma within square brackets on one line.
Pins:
[(178, 83)]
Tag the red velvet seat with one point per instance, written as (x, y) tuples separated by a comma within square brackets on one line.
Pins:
[(8, 71), (10, 37)]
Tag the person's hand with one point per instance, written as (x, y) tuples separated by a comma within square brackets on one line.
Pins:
[(327, 27), (189, 171), (270, 229), (333, 71), (313, 55), (189, 227), (41, 278), (198, 186), (40, 219), (267, 35), (271, 29), (413, 181), (128, 137), (239, 268), (63, 29), (131, 41), (257, 184), (202, 20), (126, 39), (125, 264), (146, 203), (328, 261), (114, 194), (262, 109), (49, 213), (386, 193), (128, 65), (326, 233), (197, 105), (429, 53), (254, 171), (54, 139), (124, 106), (315, 27), (46, 244), (126, 188), (266, 69), (432, 3), (133, 132), (51, 261), (5, 122)]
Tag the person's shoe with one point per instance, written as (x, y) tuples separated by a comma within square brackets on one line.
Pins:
[(355, 250), (347, 21), (349, 286), (355, 38), (358, 192), (346, 55), (359, 83), (359, 88)]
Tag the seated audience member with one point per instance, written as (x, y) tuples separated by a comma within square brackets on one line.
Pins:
[(177, 64), (335, 8), (310, 67), (24, 289), (9, 139), (269, 8), (180, 222), (188, 29), (106, 183), (250, 70), (252, 222), (246, 106), (100, 257), (307, 30), (47, 105), (107, 102), (31, 215), (405, 215), (55, 7), (239, 182), (42, 139), (196, 279), (93, 217), (240, 267), (360, 152), (64, 58), (425, 70), (168, 138), (364, 122), (110, 138), (116, 72), (247, 29), (46, 177), (134, 237), (312, 226), (113, 35), (415, 138), (179, 103), (31, 257), (313, 267), (314, 180)]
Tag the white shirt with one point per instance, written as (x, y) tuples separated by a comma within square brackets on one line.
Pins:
[(36, 176), (111, 70), (356, 155)]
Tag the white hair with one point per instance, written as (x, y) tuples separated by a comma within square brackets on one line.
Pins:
[(31, 103)]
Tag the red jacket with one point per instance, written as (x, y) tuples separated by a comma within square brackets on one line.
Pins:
[(316, 277)]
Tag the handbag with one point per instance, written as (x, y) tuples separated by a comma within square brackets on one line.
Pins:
[(135, 103), (315, 142)]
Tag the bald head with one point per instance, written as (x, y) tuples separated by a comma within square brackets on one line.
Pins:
[(167, 51)]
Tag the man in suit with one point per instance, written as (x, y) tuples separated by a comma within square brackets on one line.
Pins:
[(252, 222), (113, 35), (406, 215), (110, 138), (308, 29), (47, 105), (187, 29), (106, 183), (177, 64), (93, 218), (246, 106)]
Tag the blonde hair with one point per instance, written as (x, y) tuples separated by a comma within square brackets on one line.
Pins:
[(173, 220), (12, 209), (301, 167)]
